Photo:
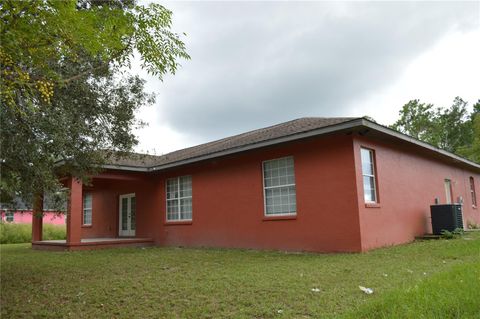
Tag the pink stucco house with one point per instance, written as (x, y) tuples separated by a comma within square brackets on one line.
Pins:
[(311, 184), (25, 217)]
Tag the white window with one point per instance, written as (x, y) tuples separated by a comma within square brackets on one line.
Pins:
[(179, 198), (448, 191), (279, 187), (368, 172), (472, 191), (87, 208), (9, 216)]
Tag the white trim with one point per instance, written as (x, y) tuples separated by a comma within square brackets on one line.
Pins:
[(447, 182), (129, 232), (126, 168), (473, 192), (178, 199), (371, 153), (272, 187), (8, 215), (388, 131), (84, 195)]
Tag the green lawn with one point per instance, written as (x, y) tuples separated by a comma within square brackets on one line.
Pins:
[(430, 279)]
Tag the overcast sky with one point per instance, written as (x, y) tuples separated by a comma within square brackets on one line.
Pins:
[(256, 64)]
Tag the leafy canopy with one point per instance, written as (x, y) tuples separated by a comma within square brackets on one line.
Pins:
[(38, 34), (452, 129), (63, 92)]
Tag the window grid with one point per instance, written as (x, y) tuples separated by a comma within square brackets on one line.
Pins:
[(9, 217), (472, 192), (279, 187), (368, 173), (87, 209), (179, 198)]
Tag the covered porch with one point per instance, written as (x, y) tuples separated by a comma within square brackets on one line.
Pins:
[(105, 214)]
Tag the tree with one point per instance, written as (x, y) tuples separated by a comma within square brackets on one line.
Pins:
[(64, 94), (472, 151), (452, 129), (416, 120)]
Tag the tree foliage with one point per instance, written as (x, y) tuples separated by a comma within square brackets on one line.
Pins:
[(472, 151), (64, 94), (452, 129)]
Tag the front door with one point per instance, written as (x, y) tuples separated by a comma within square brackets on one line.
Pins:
[(127, 217)]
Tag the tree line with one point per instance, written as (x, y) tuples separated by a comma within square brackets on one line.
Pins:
[(453, 129)]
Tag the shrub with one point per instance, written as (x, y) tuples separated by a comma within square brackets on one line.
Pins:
[(452, 234), (22, 233)]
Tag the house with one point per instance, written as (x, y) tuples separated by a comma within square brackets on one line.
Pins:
[(18, 212), (25, 217), (311, 184)]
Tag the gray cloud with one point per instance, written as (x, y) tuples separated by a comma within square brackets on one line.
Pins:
[(256, 64)]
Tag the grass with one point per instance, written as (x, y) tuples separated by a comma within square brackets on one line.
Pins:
[(450, 294), (426, 279), (22, 233)]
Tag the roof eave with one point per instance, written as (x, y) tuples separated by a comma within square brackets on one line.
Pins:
[(355, 123), (407, 138), (114, 166), (324, 130), (126, 168)]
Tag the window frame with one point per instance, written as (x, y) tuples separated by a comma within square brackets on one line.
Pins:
[(84, 209), (473, 192), (448, 191), (8, 215), (275, 215), (179, 220), (375, 173)]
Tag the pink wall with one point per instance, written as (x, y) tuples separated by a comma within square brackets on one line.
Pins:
[(228, 203), (25, 217), (408, 183), (106, 189), (228, 206)]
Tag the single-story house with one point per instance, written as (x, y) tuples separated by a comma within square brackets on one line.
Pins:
[(19, 212), (25, 217), (311, 184)]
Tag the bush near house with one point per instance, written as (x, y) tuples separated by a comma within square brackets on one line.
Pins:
[(22, 233)]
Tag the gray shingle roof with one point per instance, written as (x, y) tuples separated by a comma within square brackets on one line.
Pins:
[(252, 137)]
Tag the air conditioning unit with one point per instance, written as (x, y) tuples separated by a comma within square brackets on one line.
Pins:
[(448, 217)]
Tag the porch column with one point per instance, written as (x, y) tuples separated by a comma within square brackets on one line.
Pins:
[(74, 215), (37, 218)]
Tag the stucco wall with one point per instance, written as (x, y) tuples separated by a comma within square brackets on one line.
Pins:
[(106, 189), (408, 183), (228, 201), (25, 217)]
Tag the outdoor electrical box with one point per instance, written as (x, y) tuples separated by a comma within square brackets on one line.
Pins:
[(446, 217)]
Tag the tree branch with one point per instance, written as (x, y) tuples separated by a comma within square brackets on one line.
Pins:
[(81, 74)]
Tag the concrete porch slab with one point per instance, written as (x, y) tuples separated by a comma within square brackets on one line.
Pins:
[(91, 243)]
